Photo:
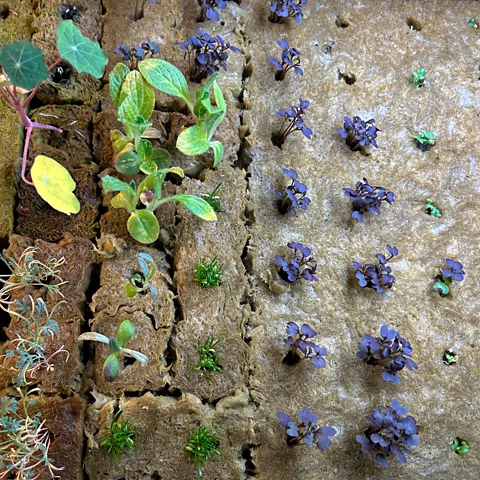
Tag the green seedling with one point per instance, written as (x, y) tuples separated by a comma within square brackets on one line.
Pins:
[(29, 350), (141, 281), (460, 446), (425, 140), (418, 77), (213, 199), (24, 70), (120, 437), (450, 357), (473, 23), (111, 366), (209, 273), (431, 209), (202, 445), (209, 356), (25, 439)]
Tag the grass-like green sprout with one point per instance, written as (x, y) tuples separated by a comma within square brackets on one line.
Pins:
[(450, 357), (120, 437), (209, 273), (418, 77), (425, 140), (431, 209), (27, 271), (202, 444), (142, 281), (473, 23), (29, 348), (25, 439), (111, 366), (460, 446), (209, 356), (214, 200)]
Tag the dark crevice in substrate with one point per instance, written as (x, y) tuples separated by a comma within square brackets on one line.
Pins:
[(414, 24), (341, 22), (4, 12), (349, 78), (250, 467)]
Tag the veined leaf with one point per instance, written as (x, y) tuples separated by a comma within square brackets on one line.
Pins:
[(128, 163), (116, 79), (193, 141), (144, 149), (119, 140), (113, 184), (161, 158), (143, 226), (196, 205), (217, 152), (84, 54), (124, 200), (141, 92)]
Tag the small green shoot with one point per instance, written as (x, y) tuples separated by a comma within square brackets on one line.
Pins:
[(214, 200), (120, 437), (209, 357), (473, 23), (418, 77), (450, 357), (141, 281), (425, 138), (209, 274), (431, 209), (460, 446), (202, 444), (111, 366)]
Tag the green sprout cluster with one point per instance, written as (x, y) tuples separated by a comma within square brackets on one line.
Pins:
[(473, 23), (213, 199), (202, 444), (431, 209), (120, 437), (425, 138), (418, 77), (450, 357), (141, 281), (460, 446), (209, 273), (209, 356)]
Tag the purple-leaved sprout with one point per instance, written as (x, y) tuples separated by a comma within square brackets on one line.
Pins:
[(294, 196), (453, 271), (389, 431), (378, 277), (367, 198), (306, 432), (290, 59), (282, 9), (293, 123), (308, 350), (137, 53), (209, 9), (359, 134), (206, 54), (301, 265), (390, 351)]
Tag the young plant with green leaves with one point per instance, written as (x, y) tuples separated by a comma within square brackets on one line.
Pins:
[(120, 437), (418, 77), (202, 444), (111, 366), (23, 71), (453, 271), (25, 439), (473, 23), (450, 357), (425, 140), (213, 199), (460, 446), (209, 273), (209, 356), (431, 209), (141, 282), (29, 351)]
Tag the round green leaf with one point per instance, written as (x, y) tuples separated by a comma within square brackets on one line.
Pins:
[(193, 141), (55, 185), (130, 290), (128, 163), (161, 158), (125, 332), (84, 54), (143, 226), (441, 287), (111, 368), (24, 64)]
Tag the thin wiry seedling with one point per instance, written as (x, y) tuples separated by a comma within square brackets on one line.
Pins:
[(30, 345), (209, 273), (209, 357), (25, 439), (214, 200), (120, 437), (202, 444), (28, 271)]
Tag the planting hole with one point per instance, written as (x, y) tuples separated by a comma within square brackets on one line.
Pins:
[(414, 24), (348, 78), (341, 22), (128, 361), (69, 11), (291, 358), (61, 72), (4, 12), (327, 48)]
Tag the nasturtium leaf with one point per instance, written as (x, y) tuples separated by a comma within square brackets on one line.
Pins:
[(217, 152), (113, 184), (165, 77), (126, 330), (128, 163), (161, 158), (119, 140), (111, 368), (130, 290), (54, 184), (24, 64), (144, 149), (84, 54), (143, 226), (141, 92), (196, 205), (193, 141), (116, 79)]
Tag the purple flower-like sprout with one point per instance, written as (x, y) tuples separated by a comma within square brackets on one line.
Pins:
[(453, 271), (209, 9), (306, 432), (359, 134), (293, 123), (367, 198), (290, 59), (206, 54), (294, 196), (302, 265), (137, 53), (390, 351), (282, 9), (378, 276), (140, 7), (389, 432), (301, 348)]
